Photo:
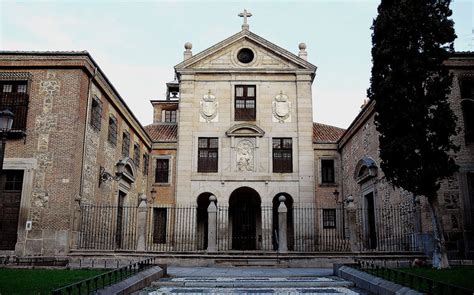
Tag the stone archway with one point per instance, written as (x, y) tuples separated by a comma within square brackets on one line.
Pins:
[(202, 220), (245, 217), (289, 221)]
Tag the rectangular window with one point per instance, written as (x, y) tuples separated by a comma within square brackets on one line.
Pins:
[(282, 155), (112, 132), (14, 97), (327, 171), (125, 144), (145, 164), (162, 170), (159, 225), (96, 113), (208, 154), (245, 106), (170, 116), (329, 218), (136, 155)]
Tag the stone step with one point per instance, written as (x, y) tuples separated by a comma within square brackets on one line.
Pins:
[(256, 282), (286, 291), (251, 262)]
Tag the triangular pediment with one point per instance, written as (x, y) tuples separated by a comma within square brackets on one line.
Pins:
[(223, 56)]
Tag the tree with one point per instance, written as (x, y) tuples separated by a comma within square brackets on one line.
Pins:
[(410, 85)]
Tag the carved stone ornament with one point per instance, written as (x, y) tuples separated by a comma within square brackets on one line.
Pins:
[(245, 156), (208, 108), (281, 108)]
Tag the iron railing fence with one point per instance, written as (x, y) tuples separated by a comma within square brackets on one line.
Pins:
[(419, 283), (17, 103), (176, 228), (93, 284), (182, 228), (105, 227), (388, 229)]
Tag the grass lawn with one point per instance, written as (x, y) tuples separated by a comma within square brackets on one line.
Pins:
[(457, 276), (40, 281)]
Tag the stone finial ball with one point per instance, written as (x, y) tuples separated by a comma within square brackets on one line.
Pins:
[(302, 46), (350, 199), (188, 45), (142, 197), (281, 198), (212, 198)]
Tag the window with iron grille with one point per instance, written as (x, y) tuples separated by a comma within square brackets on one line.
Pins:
[(162, 170), (125, 144), (145, 163), (96, 113), (327, 171), (136, 154), (112, 132), (329, 218), (208, 154), (14, 97), (467, 105), (245, 105), (170, 116), (282, 155), (159, 225)]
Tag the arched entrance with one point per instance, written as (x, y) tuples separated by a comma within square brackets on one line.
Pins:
[(202, 220), (289, 221), (245, 216)]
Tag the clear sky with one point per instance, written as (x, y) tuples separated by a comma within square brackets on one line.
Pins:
[(137, 43)]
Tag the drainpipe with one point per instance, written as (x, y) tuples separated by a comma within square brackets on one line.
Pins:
[(81, 188)]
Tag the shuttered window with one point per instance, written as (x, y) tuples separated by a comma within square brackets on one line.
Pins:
[(145, 163), (207, 154), (329, 218), (282, 155), (136, 155), (245, 105), (96, 113), (162, 170), (126, 144), (327, 171), (112, 132)]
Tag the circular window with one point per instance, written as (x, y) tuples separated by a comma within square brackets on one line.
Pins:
[(245, 55)]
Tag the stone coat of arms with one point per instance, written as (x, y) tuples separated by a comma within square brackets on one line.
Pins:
[(281, 108), (208, 109)]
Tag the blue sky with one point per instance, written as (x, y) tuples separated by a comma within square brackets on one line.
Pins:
[(137, 43)]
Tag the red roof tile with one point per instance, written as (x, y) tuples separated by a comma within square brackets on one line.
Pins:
[(162, 132), (326, 133)]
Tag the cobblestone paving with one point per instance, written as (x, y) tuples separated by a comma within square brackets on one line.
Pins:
[(246, 280)]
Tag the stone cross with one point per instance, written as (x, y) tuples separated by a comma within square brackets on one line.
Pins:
[(245, 14)]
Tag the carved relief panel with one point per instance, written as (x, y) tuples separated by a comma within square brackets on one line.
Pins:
[(245, 155)]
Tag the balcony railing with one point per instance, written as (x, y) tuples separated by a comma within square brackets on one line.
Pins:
[(17, 103)]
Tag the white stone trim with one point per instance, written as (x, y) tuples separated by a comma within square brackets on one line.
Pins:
[(28, 165)]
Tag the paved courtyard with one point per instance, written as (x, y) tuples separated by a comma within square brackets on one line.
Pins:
[(250, 280)]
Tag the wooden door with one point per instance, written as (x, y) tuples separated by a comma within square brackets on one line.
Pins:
[(11, 183)]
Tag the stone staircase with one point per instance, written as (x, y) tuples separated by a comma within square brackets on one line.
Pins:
[(246, 280)]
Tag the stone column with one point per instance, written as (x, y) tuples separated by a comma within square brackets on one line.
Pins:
[(212, 225), (141, 223), (76, 226), (352, 222), (282, 230)]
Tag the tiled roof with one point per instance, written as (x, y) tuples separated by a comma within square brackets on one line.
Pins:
[(326, 133), (162, 132)]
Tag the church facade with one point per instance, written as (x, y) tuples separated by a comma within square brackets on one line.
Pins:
[(235, 133)]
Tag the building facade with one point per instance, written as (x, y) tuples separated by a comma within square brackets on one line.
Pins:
[(234, 133)]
